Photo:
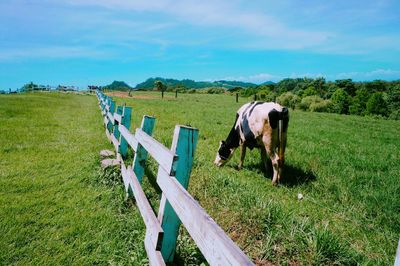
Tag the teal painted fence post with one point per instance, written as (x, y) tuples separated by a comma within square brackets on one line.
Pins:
[(126, 121), (184, 145), (116, 130), (112, 109), (141, 154)]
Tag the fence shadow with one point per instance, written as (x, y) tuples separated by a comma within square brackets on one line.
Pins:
[(152, 179)]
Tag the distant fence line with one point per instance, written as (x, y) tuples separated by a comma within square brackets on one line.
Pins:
[(176, 204)]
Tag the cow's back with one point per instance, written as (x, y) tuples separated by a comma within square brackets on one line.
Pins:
[(254, 116)]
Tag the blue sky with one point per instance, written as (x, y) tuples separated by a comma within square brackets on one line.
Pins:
[(76, 42)]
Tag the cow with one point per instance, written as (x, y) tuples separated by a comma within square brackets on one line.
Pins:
[(258, 125)]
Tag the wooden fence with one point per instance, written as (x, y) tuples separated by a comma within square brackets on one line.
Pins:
[(177, 205)]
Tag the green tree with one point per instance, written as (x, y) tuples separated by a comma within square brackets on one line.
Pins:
[(359, 102), (159, 85), (347, 85), (377, 105), (341, 99), (288, 99), (309, 91), (394, 103)]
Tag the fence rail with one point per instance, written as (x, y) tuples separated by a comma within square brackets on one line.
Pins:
[(177, 205)]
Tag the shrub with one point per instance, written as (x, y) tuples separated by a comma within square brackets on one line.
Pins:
[(324, 106), (377, 105), (215, 90), (288, 99), (341, 99), (307, 101)]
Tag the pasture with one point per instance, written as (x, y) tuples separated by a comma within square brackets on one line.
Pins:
[(57, 207)]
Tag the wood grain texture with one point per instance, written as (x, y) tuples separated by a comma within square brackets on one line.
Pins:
[(139, 160), (129, 137), (164, 156), (154, 229), (184, 145), (155, 258)]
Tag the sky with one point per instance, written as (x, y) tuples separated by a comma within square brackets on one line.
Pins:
[(94, 42)]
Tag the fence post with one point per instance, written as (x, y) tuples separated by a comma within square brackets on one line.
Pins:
[(141, 154), (176, 93), (184, 145), (116, 123), (126, 121), (112, 109), (255, 97), (237, 97)]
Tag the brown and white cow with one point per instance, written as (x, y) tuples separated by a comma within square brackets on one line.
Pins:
[(258, 125)]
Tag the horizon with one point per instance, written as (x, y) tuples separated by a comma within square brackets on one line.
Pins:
[(80, 43)]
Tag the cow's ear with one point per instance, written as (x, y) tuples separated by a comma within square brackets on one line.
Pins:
[(273, 117)]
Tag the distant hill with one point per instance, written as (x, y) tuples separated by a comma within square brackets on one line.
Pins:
[(268, 83), (118, 86), (191, 84)]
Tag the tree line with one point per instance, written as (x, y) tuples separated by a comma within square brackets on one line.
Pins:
[(376, 98)]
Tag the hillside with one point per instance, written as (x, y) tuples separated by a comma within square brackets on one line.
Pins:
[(191, 84), (118, 86)]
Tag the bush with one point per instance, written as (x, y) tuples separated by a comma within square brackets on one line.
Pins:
[(341, 99), (215, 90), (377, 105), (288, 99), (307, 101), (267, 97), (325, 106)]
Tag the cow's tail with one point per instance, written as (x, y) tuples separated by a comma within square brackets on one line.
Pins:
[(283, 123)]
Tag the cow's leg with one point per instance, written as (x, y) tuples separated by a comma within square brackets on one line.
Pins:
[(264, 159), (242, 155), (274, 160), (275, 165)]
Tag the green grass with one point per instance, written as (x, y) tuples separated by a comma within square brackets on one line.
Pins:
[(347, 168), (54, 209), (58, 208)]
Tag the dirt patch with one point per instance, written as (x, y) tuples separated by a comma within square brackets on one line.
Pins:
[(123, 94)]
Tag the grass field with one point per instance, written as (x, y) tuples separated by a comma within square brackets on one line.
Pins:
[(58, 208)]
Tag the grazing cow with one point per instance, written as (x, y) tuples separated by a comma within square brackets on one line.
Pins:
[(258, 124)]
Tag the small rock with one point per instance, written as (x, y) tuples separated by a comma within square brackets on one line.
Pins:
[(109, 162), (299, 196), (106, 153)]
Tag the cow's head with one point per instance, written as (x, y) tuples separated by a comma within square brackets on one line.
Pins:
[(224, 154)]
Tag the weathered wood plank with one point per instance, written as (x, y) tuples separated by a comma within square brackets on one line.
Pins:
[(110, 117), (215, 245), (155, 258), (139, 160), (154, 229), (118, 117), (164, 157), (184, 145), (128, 136), (115, 142)]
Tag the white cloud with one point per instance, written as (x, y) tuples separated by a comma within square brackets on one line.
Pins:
[(270, 31), (256, 78), (374, 74), (49, 52)]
